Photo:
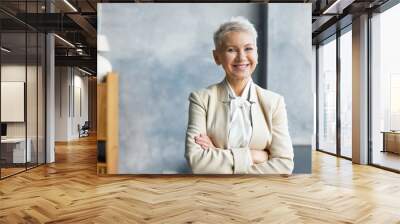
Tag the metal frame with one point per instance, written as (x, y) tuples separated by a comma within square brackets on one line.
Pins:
[(369, 98), (338, 153), (26, 88), (338, 82), (317, 97), (44, 74), (318, 88)]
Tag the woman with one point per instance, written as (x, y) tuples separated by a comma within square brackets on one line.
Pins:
[(235, 126)]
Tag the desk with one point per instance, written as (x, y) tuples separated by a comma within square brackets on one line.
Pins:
[(17, 148), (391, 141)]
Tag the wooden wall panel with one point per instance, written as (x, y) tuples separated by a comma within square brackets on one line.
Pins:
[(112, 143), (107, 123), (101, 112)]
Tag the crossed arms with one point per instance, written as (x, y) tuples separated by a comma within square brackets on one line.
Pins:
[(204, 158)]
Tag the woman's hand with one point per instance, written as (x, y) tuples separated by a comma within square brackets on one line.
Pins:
[(204, 141), (258, 156)]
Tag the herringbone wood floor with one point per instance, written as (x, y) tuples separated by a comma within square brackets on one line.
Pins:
[(69, 191)]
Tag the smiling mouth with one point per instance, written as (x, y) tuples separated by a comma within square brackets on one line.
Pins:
[(241, 66)]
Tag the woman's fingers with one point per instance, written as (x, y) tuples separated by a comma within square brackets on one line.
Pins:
[(200, 140), (204, 145), (258, 156), (204, 141)]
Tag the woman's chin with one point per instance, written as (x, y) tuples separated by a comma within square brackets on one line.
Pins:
[(240, 76)]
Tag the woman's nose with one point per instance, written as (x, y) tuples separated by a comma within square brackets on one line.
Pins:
[(240, 56)]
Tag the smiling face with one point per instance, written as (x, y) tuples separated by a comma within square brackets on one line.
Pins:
[(237, 55)]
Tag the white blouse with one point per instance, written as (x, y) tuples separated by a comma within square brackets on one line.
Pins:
[(239, 127)]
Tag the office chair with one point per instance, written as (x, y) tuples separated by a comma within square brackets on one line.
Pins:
[(84, 130)]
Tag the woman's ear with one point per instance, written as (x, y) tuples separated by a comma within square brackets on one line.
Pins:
[(216, 57)]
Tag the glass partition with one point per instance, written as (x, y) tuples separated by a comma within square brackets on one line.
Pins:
[(33, 57), (327, 96), (13, 94), (31, 100), (385, 81), (346, 93), (22, 88)]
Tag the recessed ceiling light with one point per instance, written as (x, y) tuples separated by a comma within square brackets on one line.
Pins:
[(71, 6), (337, 7), (64, 40), (5, 50), (86, 72)]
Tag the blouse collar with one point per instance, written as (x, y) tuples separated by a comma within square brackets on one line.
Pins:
[(245, 94)]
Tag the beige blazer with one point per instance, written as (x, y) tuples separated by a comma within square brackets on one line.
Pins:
[(208, 114)]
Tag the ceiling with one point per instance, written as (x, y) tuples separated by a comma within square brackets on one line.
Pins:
[(75, 21)]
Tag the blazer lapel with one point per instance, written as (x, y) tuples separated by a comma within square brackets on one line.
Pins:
[(258, 137), (222, 111)]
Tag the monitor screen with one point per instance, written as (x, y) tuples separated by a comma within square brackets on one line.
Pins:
[(3, 129)]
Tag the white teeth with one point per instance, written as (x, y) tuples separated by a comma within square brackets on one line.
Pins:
[(241, 66)]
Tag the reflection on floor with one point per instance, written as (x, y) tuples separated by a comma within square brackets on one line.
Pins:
[(387, 159), (69, 191), (10, 169), (347, 152)]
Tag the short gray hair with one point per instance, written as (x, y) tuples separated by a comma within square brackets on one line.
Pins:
[(238, 24)]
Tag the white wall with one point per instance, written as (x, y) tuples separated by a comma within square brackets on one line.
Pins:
[(61, 103), (71, 93), (79, 115), (16, 73), (33, 126)]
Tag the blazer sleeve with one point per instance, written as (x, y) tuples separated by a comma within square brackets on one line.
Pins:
[(209, 161), (280, 158)]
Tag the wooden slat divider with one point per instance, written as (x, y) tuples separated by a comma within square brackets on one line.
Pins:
[(107, 123)]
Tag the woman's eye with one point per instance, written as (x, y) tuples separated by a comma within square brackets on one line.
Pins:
[(230, 50), (248, 49)]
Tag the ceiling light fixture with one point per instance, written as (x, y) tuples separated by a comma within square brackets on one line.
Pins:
[(337, 7), (86, 72), (5, 50), (70, 5), (64, 40)]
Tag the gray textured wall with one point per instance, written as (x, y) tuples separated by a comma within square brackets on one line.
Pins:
[(162, 52), (289, 72), (289, 65)]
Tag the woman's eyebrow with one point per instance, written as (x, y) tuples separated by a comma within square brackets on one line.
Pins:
[(233, 45)]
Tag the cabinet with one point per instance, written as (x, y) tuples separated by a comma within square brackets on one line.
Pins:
[(391, 141), (13, 150)]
